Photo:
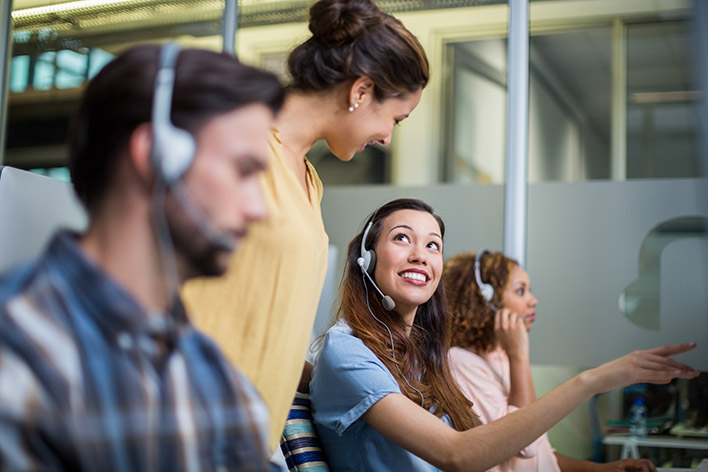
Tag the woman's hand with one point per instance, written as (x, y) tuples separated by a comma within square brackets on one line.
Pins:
[(652, 365), (510, 332)]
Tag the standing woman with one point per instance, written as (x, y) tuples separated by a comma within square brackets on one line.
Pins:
[(359, 75), (490, 353), (383, 396)]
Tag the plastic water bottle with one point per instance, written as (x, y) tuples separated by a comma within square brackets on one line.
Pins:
[(638, 418)]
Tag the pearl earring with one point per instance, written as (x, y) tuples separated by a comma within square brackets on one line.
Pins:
[(353, 107)]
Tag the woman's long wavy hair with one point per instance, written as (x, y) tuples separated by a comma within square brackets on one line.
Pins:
[(472, 317), (422, 356)]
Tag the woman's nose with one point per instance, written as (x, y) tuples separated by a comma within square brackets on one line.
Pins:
[(534, 301), (417, 255), (385, 141)]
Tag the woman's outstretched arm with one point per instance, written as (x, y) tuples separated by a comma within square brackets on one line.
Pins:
[(418, 431)]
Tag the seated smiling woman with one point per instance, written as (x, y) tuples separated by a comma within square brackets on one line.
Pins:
[(383, 397)]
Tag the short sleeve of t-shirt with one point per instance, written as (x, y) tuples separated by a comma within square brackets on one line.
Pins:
[(347, 380)]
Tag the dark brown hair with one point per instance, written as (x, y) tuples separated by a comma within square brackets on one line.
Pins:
[(472, 317), (119, 99), (421, 356), (352, 39)]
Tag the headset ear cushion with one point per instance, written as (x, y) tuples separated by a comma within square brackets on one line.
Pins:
[(370, 257), (177, 149), (487, 292), (365, 260)]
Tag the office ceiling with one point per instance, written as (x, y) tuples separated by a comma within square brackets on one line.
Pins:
[(50, 24)]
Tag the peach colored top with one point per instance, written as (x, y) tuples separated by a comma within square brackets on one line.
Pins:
[(485, 381), (262, 311)]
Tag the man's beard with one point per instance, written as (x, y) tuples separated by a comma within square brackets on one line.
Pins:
[(196, 255)]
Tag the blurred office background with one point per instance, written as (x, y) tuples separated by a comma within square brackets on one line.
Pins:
[(617, 245)]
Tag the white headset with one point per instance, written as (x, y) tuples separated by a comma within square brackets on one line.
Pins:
[(485, 289), (173, 148), (367, 263)]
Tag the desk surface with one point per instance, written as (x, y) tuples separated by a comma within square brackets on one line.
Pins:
[(657, 441), (702, 467)]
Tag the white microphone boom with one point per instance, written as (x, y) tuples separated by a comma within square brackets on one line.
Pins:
[(216, 237), (386, 301)]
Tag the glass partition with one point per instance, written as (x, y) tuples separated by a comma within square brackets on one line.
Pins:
[(58, 46), (663, 137), (571, 108)]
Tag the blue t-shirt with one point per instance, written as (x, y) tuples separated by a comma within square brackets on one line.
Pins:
[(346, 380)]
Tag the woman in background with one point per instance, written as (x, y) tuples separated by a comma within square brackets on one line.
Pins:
[(383, 396), (361, 73), (493, 309)]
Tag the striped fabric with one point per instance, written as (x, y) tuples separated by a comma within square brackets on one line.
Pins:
[(299, 442)]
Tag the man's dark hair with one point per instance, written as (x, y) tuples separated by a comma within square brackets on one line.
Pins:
[(119, 99)]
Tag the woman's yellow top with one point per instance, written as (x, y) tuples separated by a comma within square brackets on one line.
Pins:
[(261, 312)]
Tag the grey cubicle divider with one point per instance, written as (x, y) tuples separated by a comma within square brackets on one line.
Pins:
[(32, 207)]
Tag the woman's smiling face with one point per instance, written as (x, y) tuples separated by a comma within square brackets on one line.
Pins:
[(409, 259), (371, 122)]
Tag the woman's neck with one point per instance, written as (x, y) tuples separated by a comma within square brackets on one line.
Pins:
[(408, 320), (303, 121)]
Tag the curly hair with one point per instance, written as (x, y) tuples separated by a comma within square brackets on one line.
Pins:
[(472, 318)]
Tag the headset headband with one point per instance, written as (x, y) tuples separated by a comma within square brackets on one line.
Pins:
[(164, 83), (485, 289)]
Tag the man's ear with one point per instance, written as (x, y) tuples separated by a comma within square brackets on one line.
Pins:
[(361, 92), (139, 153)]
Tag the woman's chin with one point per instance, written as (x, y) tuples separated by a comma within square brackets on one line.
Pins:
[(344, 156)]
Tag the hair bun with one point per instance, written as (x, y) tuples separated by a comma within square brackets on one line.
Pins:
[(337, 22)]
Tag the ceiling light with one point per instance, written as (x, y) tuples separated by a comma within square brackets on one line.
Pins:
[(62, 7)]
